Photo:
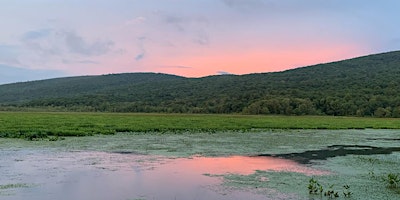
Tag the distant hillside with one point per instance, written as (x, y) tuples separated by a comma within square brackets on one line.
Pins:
[(365, 86), (78, 87)]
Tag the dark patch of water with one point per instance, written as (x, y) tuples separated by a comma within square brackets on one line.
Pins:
[(127, 152), (385, 139), (333, 151)]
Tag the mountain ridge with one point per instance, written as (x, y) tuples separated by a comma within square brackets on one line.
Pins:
[(362, 86)]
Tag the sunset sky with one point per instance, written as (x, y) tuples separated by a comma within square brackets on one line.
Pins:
[(193, 38)]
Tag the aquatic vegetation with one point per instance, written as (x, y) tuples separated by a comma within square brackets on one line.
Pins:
[(315, 188), (11, 186), (331, 193), (392, 180), (40, 125), (346, 191)]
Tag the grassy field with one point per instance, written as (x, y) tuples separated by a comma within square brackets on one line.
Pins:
[(32, 125)]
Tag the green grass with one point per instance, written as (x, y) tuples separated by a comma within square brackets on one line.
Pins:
[(36, 125), (11, 186)]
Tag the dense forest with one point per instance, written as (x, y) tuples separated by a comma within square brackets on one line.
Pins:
[(364, 86)]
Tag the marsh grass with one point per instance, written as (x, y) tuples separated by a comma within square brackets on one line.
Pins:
[(392, 181), (41, 125), (12, 186), (8, 189)]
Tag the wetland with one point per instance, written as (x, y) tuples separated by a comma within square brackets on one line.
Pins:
[(263, 164)]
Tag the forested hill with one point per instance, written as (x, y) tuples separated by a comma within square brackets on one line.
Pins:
[(365, 86)]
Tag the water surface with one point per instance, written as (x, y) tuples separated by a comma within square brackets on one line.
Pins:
[(46, 175)]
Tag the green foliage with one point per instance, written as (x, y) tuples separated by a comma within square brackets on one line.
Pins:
[(392, 180), (331, 193), (315, 188), (11, 186), (53, 125), (346, 191), (365, 86)]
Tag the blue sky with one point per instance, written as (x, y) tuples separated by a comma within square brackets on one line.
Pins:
[(53, 38)]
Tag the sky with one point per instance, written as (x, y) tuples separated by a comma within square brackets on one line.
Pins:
[(42, 39)]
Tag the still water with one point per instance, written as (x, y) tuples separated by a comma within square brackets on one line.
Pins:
[(48, 175)]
